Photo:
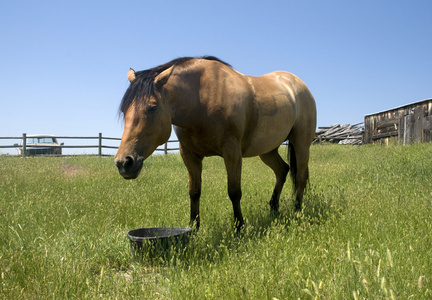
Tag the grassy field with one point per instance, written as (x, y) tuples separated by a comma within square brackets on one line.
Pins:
[(365, 231)]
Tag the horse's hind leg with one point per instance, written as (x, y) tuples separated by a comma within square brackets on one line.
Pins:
[(300, 172), (281, 169), (193, 164)]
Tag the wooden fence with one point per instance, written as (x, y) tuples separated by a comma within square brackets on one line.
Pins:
[(99, 144)]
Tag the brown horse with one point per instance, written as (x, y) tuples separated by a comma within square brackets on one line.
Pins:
[(216, 110)]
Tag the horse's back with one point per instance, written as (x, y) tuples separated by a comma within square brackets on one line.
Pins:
[(257, 112)]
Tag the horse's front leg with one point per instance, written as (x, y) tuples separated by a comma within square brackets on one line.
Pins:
[(193, 164), (233, 164)]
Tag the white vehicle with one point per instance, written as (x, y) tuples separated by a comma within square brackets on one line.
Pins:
[(41, 144)]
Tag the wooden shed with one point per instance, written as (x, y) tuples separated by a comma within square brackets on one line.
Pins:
[(407, 124)]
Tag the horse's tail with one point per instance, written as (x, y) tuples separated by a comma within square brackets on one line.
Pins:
[(293, 166)]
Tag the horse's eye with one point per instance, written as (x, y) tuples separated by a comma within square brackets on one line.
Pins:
[(152, 108)]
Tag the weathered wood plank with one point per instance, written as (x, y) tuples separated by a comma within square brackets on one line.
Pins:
[(342, 134), (409, 123)]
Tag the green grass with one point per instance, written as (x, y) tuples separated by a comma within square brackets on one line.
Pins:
[(365, 231)]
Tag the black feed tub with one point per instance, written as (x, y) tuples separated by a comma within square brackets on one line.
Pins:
[(157, 241)]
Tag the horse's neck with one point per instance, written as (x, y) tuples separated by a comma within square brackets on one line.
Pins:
[(184, 102)]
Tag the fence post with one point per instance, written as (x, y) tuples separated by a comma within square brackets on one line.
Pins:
[(24, 145), (166, 148), (100, 144)]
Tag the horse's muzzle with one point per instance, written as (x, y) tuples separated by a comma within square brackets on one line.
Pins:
[(128, 166)]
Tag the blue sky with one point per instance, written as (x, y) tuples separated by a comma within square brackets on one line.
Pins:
[(63, 63)]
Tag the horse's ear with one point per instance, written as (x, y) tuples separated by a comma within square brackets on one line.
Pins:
[(131, 75), (163, 77)]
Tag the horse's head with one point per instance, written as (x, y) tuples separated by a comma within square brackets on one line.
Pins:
[(147, 121)]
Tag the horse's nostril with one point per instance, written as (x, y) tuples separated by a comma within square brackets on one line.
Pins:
[(128, 164)]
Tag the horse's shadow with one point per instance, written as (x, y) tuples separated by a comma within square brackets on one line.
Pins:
[(212, 244), (318, 208)]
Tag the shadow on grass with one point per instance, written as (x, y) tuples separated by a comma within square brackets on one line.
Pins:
[(213, 243), (318, 208)]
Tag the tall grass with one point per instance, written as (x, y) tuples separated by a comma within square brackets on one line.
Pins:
[(365, 231)]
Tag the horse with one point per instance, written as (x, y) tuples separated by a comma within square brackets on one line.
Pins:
[(218, 111)]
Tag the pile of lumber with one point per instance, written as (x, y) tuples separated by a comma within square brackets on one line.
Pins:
[(341, 134)]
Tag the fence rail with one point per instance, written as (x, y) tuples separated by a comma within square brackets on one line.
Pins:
[(100, 145)]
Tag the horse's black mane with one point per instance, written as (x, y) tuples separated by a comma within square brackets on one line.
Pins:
[(143, 86)]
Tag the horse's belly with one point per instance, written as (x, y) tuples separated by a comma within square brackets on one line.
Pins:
[(275, 116), (266, 138)]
